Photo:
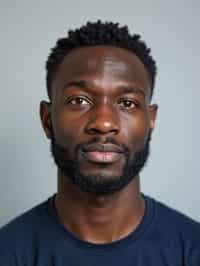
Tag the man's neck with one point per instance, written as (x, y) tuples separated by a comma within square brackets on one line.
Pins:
[(99, 219)]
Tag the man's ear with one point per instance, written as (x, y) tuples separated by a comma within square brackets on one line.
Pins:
[(45, 116), (153, 114)]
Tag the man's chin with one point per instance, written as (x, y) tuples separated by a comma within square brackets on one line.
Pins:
[(101, 184), (102, 173)]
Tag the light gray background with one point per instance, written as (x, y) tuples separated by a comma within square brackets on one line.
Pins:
[(27, 31)]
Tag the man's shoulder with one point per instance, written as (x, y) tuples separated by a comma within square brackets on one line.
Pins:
[(23, 225), (177, 221)]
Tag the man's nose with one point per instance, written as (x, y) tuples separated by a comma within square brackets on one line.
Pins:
[(104, 119)]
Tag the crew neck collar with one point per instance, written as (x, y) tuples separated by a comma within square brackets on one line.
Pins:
[(124, 242)]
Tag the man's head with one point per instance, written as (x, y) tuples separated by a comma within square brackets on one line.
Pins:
[(100, 82)]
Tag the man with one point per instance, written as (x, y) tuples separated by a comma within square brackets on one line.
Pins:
[(99, 120)]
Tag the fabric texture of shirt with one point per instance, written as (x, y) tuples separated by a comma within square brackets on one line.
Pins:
[(165, 237)]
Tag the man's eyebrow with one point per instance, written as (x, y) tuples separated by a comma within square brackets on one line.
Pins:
[(76, 83), (126, 89), (132, 89)]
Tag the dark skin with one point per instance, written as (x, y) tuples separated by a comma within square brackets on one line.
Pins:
[(112, 99)]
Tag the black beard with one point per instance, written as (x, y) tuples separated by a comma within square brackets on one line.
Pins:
[(97, 184)]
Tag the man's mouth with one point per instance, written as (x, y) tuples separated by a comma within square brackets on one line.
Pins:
[(102, 153), (102, 157)]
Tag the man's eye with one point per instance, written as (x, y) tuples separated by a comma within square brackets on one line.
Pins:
[(127, 104), (78, 101)]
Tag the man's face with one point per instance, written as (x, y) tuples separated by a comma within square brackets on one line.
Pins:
[(100, 119)]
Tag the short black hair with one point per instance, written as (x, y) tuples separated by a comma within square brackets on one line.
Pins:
[(99, 33)]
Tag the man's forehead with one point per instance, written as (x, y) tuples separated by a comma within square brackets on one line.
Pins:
[(110, 63)]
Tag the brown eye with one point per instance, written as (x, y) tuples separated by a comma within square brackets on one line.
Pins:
[(78, 101), (127, 104)]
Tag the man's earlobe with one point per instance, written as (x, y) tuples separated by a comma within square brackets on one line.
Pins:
[(153, 115), (45, 116)]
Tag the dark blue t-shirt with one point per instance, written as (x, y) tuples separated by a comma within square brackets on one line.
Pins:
[(165, 237)]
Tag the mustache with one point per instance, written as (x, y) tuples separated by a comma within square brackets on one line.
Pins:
[(98, 140)]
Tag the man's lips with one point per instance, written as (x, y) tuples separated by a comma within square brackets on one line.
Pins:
[(102, 157), (102, 153)]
